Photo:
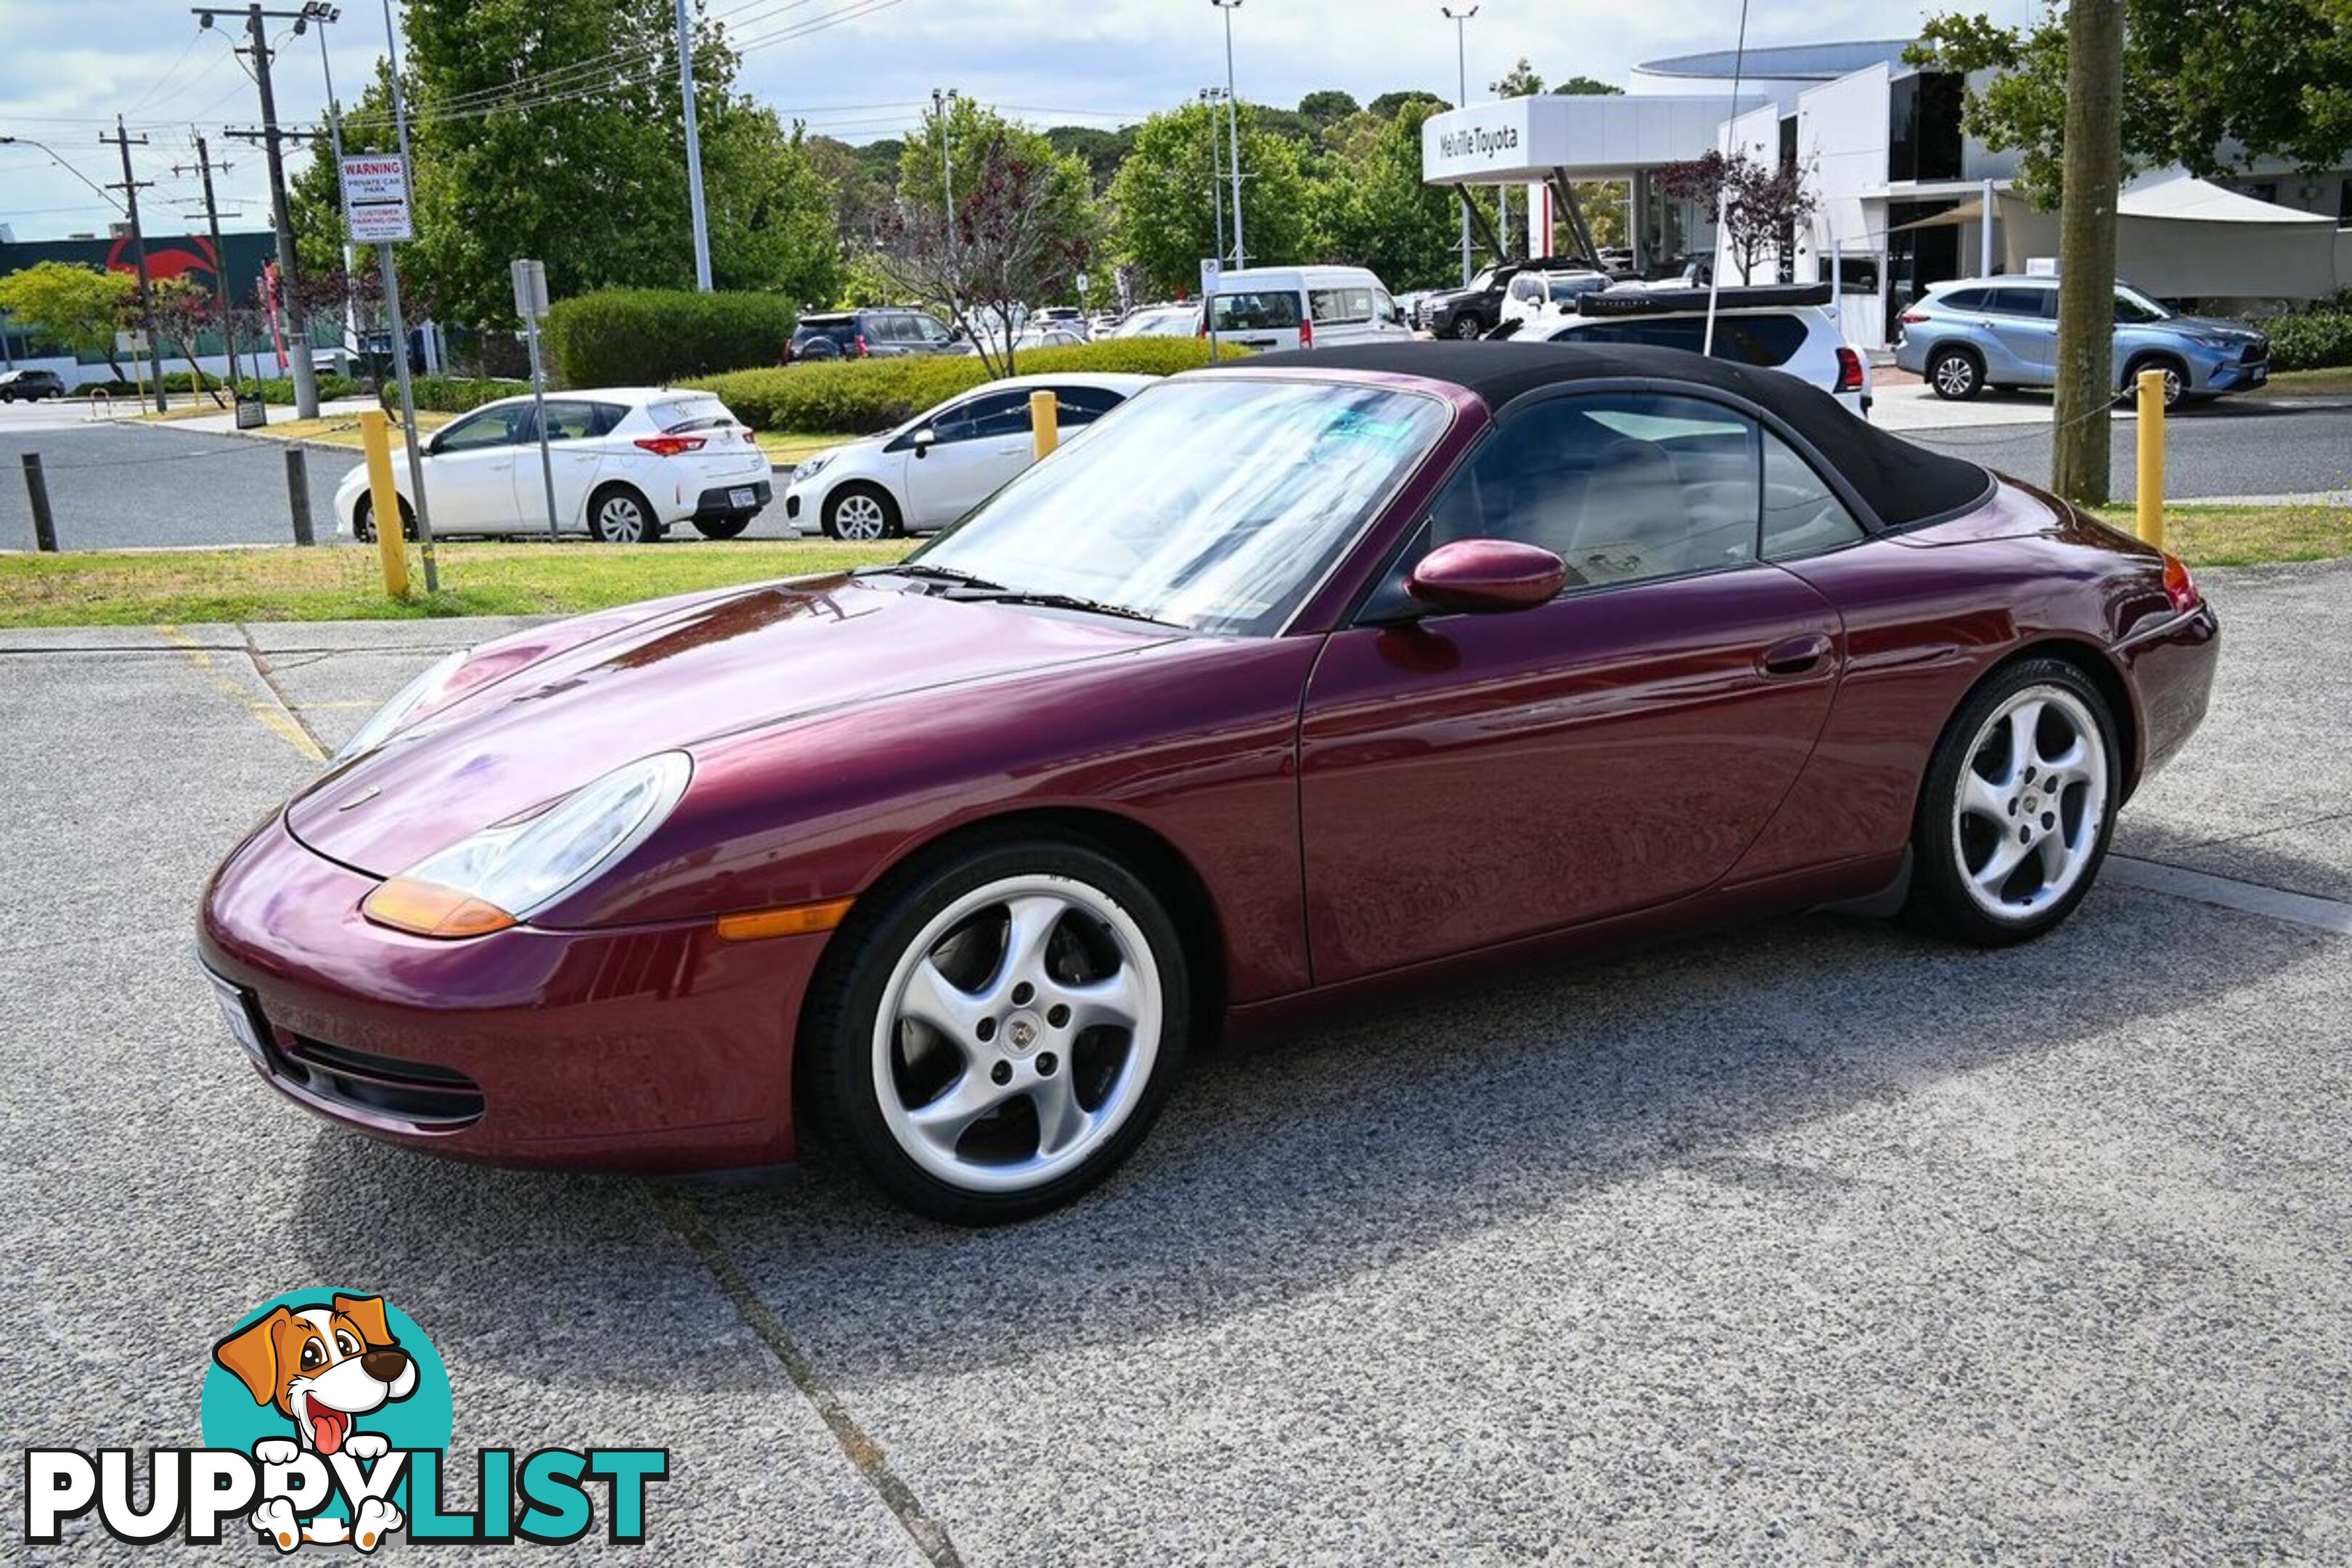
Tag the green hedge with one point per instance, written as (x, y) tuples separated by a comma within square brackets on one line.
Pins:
[(450, 394), (2310, 339), (652, 337), (278, 389), (866, 395)]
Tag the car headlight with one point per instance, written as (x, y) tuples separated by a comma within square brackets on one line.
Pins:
[(386, 718), (808, 467), (504, 874), (2212, 343)]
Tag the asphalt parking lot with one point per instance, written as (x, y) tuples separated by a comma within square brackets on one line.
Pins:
[(1813, 1242)]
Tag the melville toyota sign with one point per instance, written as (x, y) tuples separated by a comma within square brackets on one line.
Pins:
[(1464, 143), (375, 197)]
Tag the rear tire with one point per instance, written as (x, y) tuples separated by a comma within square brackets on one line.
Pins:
[(2018, 808), (1954, 374), (619, 515), (1014, 1102), (1468, 326), (722, 527)]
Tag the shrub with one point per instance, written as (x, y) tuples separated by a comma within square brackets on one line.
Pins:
[(866, 395), (2310, 339), (652, 337), (449, 394)]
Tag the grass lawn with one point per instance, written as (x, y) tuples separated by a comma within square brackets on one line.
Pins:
[(2247, 535), (2306, 383), (342, 583), (785, 448)]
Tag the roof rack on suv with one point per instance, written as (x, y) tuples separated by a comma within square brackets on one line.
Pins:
[(1674, 302)]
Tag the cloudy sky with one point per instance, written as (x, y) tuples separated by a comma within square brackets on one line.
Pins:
[(853, 68)]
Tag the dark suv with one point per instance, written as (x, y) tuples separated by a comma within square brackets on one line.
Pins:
[(1475, 311), (870, 335), (32, 386)]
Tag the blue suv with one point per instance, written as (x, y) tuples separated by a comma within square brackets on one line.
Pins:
[(1977, 332)]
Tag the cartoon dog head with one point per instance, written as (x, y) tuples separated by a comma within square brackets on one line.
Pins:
[(322, 1366)]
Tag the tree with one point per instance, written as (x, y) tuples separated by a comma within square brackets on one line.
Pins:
[(974, 130), (1761, 204), (1372, 209), (773, 218), (183, 310), (1102, 150), (2086, 240), (1008, 245), (1161, 196), (1388, 104), (80, 308), (1588, 87), (1520, 81), (2211, 85), (1327, 107)]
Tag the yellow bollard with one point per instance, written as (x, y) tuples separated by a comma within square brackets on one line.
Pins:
[(2151, 457), (1044, 421), (384, 499)]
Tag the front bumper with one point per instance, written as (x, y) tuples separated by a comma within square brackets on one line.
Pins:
[(645, 1047)]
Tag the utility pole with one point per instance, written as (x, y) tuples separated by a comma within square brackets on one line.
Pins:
[(693, 151), (204, 166), (124, 142), (306, 380), (1461, 20), (1233, 128), (943, 100), (2086, 250), (318, 11), (1216, 181)]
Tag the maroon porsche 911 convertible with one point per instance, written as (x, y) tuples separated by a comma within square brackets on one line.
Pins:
[(1332, 670)]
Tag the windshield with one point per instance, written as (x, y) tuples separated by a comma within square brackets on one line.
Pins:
[(2131, 305), (1213, 504)]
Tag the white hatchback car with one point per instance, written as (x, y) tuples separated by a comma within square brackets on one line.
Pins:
[(628, 462), (1787, 327), (943, 462), (1537, 300)]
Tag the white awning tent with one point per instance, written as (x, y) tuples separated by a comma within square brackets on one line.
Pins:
[(2183, 238)]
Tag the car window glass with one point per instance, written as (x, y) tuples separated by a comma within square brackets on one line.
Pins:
[(1385, 307), (1083, 405), (1803, 516), (1622, 488), (484, 428), (1257, 310), (568, 421), (930, 331), (1963, 298), (680, 414), (2134, 312), (997, 413), (2019, 302)]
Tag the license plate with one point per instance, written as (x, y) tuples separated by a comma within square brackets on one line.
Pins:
[(238, 1016), (742, 498)]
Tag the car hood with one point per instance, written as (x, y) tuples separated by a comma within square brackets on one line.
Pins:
[(2213, 327), (680, 677)]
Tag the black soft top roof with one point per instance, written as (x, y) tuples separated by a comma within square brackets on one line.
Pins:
[(1903, 484)]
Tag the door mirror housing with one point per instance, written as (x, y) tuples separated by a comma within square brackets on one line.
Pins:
[(1487, 576), (925, 439)]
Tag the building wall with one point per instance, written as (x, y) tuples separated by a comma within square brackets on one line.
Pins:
[(1842, 137)]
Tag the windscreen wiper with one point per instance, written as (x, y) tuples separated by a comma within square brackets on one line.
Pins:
[(928, 573), (1069, 602)]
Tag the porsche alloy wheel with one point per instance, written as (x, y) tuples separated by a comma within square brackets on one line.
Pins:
[(2020, 804), (1006, 1031)]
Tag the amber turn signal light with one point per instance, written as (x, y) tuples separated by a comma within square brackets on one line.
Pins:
[(428, 909), (794, 920)]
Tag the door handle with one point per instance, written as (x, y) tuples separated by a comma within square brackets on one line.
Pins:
[(1795, 656)]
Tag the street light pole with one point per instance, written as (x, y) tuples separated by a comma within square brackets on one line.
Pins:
[(323, 13), (1233, 128), (1216, 194), (1461, 20), (693, 151)]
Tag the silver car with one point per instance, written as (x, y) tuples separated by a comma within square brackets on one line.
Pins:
[(1972, 333)]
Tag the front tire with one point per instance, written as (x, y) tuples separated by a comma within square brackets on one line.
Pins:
[(1954, 374), (861, 513), (994, 1033), (2019, 805), (2175, 382), (619, 515)]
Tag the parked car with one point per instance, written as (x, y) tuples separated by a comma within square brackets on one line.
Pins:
[(879, 333), (1068, 317), (1040, 334), (943, 462), (32, 386), (1785, 327), (1976, 332), (1535, 300), (1301, 307), (1411, 657), (1160, 321), (628, 462), (1476, 308)]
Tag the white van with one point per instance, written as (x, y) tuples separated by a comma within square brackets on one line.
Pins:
[(1263, 307)]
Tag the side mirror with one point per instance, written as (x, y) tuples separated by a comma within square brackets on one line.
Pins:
[(1485, 576), (925, 439)]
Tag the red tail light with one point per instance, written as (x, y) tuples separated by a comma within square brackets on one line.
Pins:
[(670, 445), (2178, 586), (863, 352), (1849, 371), (1912, 318), (1306, 333)]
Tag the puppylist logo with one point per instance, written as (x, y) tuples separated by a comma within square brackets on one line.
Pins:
[(326, 1421)]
